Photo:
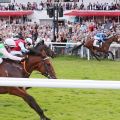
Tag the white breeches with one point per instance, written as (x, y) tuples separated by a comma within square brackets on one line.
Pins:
[(10, 56), (16, 53), (1, 60), (95, 43)]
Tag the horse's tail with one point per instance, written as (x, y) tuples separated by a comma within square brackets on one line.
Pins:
[(76, 48)]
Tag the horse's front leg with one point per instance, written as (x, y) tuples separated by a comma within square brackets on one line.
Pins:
[(29, 100), (95, 55)]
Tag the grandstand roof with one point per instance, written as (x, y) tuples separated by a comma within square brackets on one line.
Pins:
[(93, 13), (16, 13)]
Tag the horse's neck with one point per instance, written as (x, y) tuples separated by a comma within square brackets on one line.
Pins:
[(110, 40), (31, 64)]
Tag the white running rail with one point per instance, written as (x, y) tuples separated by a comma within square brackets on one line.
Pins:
[(114, 46), (59, 83)]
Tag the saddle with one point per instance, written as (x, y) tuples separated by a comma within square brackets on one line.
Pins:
[(97, 43)]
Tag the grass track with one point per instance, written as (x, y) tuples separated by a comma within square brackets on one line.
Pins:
[(70, 104)]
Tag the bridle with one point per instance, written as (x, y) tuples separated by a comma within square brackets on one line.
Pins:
[(24, 67), (46, 67)]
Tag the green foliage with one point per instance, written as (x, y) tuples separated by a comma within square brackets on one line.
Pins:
[(70, 104)]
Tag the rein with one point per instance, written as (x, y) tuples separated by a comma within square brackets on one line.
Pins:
[(24, 64)]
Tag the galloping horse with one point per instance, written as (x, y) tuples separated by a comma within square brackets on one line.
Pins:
[(102, 49), (12, 69)]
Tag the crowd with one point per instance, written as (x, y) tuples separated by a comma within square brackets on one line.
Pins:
[(68, 31), (66, 6)]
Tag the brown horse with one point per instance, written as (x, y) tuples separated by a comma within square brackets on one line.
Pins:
[(12, 69), (102, 49)]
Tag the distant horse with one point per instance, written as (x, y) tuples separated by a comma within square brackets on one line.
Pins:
[(102, 49), (13, 69)]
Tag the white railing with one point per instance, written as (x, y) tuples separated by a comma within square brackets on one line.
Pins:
[(59, 83), (53, 45)]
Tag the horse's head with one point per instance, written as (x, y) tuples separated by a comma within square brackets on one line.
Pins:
[(40, 62), (46, 68), (112, 38), (115, 38), (118, 38), (41, 46)]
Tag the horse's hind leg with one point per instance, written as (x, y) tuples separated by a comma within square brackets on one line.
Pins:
[(95, 55), (29, 100), (75, 49)]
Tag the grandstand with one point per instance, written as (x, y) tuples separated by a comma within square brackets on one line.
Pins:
[(26, 1), (80, 1), (21, 13)]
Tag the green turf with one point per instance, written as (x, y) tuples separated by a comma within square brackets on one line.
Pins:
[(76, 68), (70, 104)]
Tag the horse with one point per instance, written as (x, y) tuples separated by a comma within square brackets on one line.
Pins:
[(104, 48), (13, 69)]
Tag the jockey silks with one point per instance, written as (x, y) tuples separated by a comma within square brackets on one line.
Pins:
[(17, 48), (101, 37)]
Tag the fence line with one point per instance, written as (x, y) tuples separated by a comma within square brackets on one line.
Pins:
[(55, 44), (77, 43), (59, 83)]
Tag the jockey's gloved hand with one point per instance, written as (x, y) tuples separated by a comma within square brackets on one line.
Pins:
[(25, 51)]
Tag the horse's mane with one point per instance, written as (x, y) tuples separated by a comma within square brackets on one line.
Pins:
[(33, 51), (36, 50), (40, 47)]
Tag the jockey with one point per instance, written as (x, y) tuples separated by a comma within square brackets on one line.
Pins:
[(5, 54), (99, 38), (19, 47)]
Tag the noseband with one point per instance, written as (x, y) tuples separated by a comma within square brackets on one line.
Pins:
[(46, 68)]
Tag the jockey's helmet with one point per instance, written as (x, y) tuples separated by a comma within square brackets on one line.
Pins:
[(29, 41)]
